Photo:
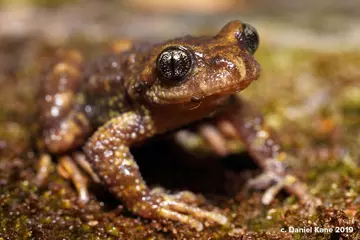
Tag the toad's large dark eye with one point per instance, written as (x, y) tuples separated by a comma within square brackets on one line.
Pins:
[(249, 37), (174, 63)]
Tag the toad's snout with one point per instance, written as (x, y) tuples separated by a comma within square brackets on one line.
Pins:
[(248, 67)]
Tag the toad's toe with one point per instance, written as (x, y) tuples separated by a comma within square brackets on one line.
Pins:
[(167, 207)]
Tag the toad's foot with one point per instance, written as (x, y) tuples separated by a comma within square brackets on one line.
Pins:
[(273, 184), (43, 169), (168, 207), (270, 182), (68, 170), (182, 196)]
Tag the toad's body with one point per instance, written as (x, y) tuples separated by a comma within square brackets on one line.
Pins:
[(137, 92)]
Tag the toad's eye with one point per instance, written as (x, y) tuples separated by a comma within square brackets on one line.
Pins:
[(174, 63), (249, 37)]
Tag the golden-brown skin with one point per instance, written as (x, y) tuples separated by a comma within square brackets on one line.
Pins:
[(121, 99)]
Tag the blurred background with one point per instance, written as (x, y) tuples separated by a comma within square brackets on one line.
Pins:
[(311, 24)]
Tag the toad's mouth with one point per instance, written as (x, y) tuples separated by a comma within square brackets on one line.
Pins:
[(213, 101), (214, 98), (198, 97)]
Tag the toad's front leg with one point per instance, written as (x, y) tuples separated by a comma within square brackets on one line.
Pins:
[(108, 152), (265, 149)]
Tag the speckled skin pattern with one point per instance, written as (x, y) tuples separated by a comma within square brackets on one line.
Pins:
[(119, 100)]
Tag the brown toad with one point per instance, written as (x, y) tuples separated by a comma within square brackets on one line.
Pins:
[(141, 90)]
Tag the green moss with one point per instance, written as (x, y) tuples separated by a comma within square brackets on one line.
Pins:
[(112, 230)]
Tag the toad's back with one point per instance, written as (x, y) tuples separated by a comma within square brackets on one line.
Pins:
[(79, 96)]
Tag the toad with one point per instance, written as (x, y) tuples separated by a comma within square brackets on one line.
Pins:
[(141, 90)]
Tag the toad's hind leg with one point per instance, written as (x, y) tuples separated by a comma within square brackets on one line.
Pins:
[(108, 152), (64, 125)]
